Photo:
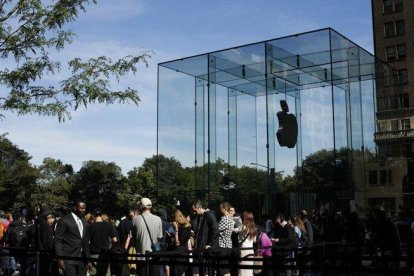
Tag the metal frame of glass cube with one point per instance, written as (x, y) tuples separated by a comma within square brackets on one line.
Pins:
[(219, 108)]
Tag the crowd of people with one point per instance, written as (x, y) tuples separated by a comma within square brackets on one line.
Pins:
[(78, 236)]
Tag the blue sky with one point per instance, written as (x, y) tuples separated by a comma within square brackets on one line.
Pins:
[(126, 134)]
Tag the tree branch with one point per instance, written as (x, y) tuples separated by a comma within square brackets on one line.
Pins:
[(7, 16)]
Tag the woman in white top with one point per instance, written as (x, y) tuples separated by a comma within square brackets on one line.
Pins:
[(247, 236)]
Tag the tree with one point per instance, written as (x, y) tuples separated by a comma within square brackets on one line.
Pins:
[(30, 31), (17, 175), (141, 183), (99, 183), (173, 181), (54, 184)]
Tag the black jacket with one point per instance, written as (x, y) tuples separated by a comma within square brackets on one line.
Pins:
[(45, 236), (207, 231), (68, 241), (288, 237)]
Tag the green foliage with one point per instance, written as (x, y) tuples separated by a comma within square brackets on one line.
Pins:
[(140, 183), (29, 31), (17, 175), (174, 182), (54, 184), (99, 183)]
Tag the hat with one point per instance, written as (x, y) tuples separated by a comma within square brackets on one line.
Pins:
[(146, 202), (45, 211), (58, 213)]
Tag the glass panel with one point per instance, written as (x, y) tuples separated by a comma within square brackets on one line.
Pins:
[(211, 131), (175, 135), (200, 136)]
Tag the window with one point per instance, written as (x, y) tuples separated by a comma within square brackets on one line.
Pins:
[(393, 102), (372, 178), (387, 6), (401, 51), (390, 52), (389, 29), (405, 124), (383, 177), (399, 5), (404, 101), (394, 125), (399, 27), (380, 104), (389, 177), (402, 76)]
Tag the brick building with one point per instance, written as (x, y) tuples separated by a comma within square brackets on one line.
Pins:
[(390, 177)]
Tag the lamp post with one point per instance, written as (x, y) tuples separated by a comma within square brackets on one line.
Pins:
[(271, 182)]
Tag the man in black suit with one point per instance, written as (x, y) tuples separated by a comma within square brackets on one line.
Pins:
[(70, 241)]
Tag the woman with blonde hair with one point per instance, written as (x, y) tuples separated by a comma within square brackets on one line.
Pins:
[(182, 234), (247, 236), (300, 230)]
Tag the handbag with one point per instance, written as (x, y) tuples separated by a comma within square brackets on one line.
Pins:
[(155, 247)]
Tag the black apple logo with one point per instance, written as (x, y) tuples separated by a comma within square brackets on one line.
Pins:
[(287, 134)]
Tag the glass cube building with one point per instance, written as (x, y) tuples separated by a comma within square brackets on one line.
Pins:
[(218, 115)]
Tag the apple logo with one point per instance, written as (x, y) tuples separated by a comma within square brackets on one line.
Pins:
[(287, 134)]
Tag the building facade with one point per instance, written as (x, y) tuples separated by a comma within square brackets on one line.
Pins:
[(390, 180)]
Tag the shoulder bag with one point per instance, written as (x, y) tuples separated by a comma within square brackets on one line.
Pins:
[(155, 247)]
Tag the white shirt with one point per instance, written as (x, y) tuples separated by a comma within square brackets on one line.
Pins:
[(79, 224)]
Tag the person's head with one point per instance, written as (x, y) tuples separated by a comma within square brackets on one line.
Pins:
[(181, 219), (303, 214), (146, 204), (9, 217), (299, 223), (224, 208), (136, 209), (128, 212), (232, 211), (162, 213), (17, 216), (279, 219), (79, 208), (97, 215), (198, 207), (46, 214), (105, 217), (248, 222), (57, 214)]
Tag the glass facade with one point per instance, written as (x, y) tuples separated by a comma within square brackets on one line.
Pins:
[(219, 114)]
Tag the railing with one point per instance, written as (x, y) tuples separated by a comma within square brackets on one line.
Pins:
[(335, 257), (396, 134)]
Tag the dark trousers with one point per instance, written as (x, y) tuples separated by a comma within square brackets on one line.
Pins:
[(153, 270), (75, 269)]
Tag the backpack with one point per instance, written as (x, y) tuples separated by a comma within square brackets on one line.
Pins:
[(18, 235)]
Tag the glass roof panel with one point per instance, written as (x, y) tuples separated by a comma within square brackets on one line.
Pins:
[(295, 62)]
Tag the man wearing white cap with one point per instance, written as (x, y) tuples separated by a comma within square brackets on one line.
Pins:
[(147, 229)]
